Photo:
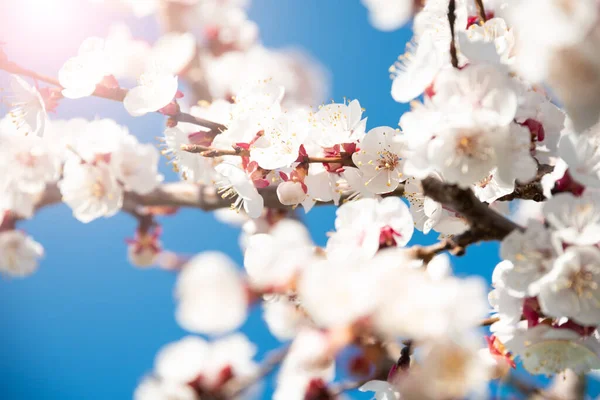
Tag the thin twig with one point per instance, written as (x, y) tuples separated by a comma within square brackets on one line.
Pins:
[(276, 357), (115, 94), (481, 10), (207, 151), (451, 21)]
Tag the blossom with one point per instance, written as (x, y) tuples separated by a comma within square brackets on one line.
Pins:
[(203, 284), (324, 285), (190, 166), (157, 389), (279, 145), (380, 159), (173, 52), (572, 288), (19, 253), (365, 225), (308, 361), (339, 123), (384, 390), (28, 108), (576, 220), (136, 165), (206, 365), (531, 253), (388, 15), (145, 248), (582, 154), (427, 308), (237, 184), (156, 88), (80, 74), (272, 260), (92, 191), (416, 69)]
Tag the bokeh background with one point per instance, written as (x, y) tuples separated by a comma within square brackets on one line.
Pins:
[(87, 325)]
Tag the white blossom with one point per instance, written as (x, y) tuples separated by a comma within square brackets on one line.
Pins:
[(19, 253), (236, 184), (212, 296), (92, 191), (380, 159)]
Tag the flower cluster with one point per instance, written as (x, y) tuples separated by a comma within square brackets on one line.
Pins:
[(481, 128), (547, 288)]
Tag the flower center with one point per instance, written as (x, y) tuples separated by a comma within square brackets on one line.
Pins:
[(98, 190), (387, 160)]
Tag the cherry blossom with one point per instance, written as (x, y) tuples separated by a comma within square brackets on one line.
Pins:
[(19, 254), (200, 287), (380, 159), (157, 88)]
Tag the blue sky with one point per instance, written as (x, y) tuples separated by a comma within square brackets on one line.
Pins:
[(87, 325)]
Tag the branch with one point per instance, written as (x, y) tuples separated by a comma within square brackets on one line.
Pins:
[(531, 190), (486, 224), (207, 151), (115, 94), (236, 387), (451, 21), (481, 10)]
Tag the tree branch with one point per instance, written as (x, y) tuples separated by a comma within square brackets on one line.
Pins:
[(481, 10), (236, 387), (531, 190), (451, 21)]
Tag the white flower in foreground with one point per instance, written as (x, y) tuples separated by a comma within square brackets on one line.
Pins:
[(157, 389), (451, 369), (381, 159), (208, 365), (384, 390), (532, 254), (173, 51), (212, 295), (80, 74), (426, 308), (136, 165), (365, 225), (491, 42), (279, 146), (325, 285), (28, 107), (308, 360), (416, 70), (576, 220), (19, 254), (190, 166), (157, 88), (507, 304), (545, 350), (283, 317), (92, 191), (237, 184), (339, 123), (273, 260), (572, 288), (28, 162), (389, 15), (582, 154)]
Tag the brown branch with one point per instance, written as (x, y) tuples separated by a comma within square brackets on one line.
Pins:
[(481, 10), (236, 387), (207, 151), (485, 223), (451, 21), (531, 190)]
